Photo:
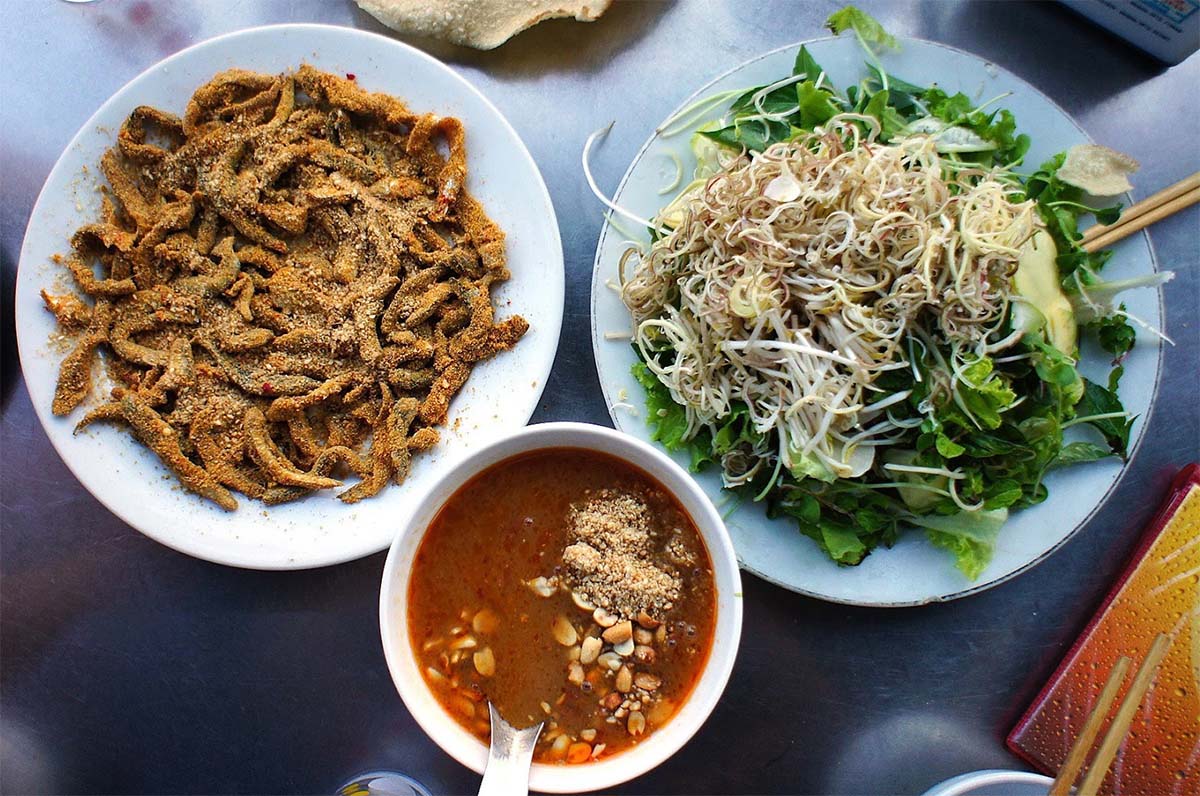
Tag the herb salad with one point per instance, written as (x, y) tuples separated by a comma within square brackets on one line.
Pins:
[(868, 318)]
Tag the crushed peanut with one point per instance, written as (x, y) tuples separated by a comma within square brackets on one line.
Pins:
[(609, 561)]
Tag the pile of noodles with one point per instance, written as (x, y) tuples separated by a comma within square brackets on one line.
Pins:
[(796, 276)]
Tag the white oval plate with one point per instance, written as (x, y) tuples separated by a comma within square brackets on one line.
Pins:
[(500, 395), (912, 572)]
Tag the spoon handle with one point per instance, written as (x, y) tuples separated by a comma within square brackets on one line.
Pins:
[(510, 755)]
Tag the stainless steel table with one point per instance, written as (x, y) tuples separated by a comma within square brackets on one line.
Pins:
[(128, 668)]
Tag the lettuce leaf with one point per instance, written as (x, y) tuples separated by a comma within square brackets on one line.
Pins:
[(872, 35), (668, 421), (969, 535), (970, 557)]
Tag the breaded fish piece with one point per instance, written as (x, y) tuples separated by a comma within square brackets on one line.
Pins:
[(290, 283)]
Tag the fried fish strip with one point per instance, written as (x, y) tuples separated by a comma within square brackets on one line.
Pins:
[(409, 379), (501, 337), (125, 189), (245, 341), (282, 408), (221, 457), (324, 465), (302, 340), (381, 453), (71, 313), (88, 283), (219, 189), (367, 308), (218, 279), (151, 309), (445, 387), (303, 438), (157, 435), (319, 245), (266, 454), (485, 235), (423, 439), (179, 372), (344, 94), (399, 422), (75, 373), (215, 98), (132, 137), (255, 382), (242, 290)]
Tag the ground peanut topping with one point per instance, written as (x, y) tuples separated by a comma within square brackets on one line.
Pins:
[(609, 561)]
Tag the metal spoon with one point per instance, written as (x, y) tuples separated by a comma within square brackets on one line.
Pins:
[(509, 757)]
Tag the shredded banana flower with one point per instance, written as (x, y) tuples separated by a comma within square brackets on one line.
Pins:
[(796, 276)]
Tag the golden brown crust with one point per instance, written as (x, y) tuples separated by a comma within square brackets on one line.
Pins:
[(220, 442), (75, 373), (289, 270), (70, 312), (159, 436), (267, 455)]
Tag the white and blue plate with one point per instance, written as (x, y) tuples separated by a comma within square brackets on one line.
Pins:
[(912, 572)]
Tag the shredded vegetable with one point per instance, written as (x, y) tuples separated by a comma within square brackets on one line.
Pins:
[(864, 317)]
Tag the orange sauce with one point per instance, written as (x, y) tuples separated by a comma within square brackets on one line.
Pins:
[(470, 593)]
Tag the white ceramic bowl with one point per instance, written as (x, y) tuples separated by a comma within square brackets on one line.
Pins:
[(665, 741), (993, 782)]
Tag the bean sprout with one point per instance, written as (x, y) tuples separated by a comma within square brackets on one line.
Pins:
[(797, 276)]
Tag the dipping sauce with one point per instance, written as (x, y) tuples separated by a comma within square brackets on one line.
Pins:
[(564, 586)]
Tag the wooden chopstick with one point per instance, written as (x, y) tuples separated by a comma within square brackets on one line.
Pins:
[(1147, 204), (1154, 208), (1124, 717), (1121, 231), (1091, 728)]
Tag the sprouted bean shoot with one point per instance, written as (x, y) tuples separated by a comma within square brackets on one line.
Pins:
[(799, 274)]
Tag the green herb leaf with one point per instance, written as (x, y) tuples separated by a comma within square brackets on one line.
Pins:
[(754, 135), (1115, 334), (805, 508), (1108, 215), (1080, 452), (1098, 401), (726, 136), (894, 83), (869, 31), (948, 447), (949, 108), (1052, 365), (1001, 494), (1114, 378), (806, 65), (890, 120), (700, 448), (815, 105)]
